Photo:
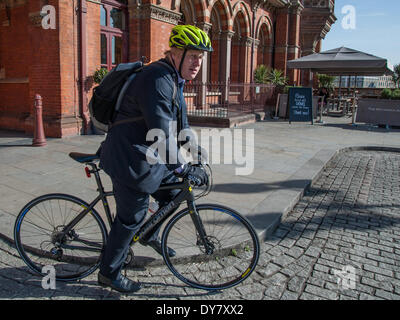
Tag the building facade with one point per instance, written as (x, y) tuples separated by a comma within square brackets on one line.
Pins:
[(53, 47)]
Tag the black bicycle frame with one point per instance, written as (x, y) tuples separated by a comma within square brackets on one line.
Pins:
[(102, 196), (157, 218), (164, 212)]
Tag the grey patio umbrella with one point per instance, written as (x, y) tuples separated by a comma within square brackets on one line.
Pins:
[(342, 62)]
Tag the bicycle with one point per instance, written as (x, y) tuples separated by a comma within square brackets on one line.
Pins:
[(216, 247)]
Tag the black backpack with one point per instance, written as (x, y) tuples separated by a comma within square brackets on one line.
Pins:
[(107, 96)]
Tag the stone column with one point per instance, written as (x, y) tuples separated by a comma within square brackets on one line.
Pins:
[(202, 77), (247, 44), (281, 39), (225, 68)]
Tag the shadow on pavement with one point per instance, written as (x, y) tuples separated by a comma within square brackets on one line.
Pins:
[(361, 127), (13, 134), (259, 187), (20, 283), (23, 144), (15, 139)]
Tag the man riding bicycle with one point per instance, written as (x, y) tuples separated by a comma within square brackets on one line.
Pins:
[(124, 152)]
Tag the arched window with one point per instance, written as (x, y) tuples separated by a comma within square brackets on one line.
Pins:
[(187, 10), (264, 51), (214, 59), (238, 50)]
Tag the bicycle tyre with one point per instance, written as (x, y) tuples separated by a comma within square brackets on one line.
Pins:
[(236, 244), (35, 232)]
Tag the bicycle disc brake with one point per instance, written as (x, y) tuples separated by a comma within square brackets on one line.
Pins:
[(209, 247)]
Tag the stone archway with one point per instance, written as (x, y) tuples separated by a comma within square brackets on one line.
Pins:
[(239, 51), (188, 12), (265, 45), (219, 36)]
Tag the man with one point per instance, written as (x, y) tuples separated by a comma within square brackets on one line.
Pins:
[(124, 153)]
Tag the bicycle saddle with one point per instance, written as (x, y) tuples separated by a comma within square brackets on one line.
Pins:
[(84, 157)]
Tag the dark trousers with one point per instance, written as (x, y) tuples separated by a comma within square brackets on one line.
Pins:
[(132, 207)]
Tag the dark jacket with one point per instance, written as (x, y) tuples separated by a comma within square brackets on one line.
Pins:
[(150, 98)]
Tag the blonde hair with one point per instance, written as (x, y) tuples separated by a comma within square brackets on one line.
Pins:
[(173, 50)]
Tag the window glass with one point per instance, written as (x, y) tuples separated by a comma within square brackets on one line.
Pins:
[(103, 49), (117, 19), (103, 16), (116, 50)]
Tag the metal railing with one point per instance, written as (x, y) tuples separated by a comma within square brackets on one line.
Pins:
[(224, 100)]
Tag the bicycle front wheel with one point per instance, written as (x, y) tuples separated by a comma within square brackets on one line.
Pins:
[(231, 253), (38, 235)]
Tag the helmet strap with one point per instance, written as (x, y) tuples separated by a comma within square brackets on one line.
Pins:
[(180, 65)]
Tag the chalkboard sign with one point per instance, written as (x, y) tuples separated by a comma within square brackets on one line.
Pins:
[(300, 104)]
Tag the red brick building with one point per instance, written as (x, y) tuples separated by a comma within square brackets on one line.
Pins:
[(53, 47)]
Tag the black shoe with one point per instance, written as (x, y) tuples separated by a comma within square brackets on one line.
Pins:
[(156, 245), (121, 284)]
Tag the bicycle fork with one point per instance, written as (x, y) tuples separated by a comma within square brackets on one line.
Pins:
[(202, 238)]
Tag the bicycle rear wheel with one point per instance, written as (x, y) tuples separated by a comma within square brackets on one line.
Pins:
[(38, 236), (234, 242)]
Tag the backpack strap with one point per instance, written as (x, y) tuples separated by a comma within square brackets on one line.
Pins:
[(115, 123), (119, 101), (123, 90), (125, 87)]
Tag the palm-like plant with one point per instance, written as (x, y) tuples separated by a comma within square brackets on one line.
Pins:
[(261, 74), (264, 74), (277, 77), (326, 81)]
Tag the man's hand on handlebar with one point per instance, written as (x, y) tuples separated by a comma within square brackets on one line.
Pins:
[(193, 173)]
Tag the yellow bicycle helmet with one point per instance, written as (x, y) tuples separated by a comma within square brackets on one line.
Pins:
[(189, 37)]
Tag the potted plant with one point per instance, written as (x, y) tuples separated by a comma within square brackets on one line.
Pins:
[(326, 81), (396, 94), (277, 78), (99, 74), (264, 74), (386, 94), (261, 74)]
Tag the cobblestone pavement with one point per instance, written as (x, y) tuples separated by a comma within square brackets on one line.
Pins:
[(346, 227)]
